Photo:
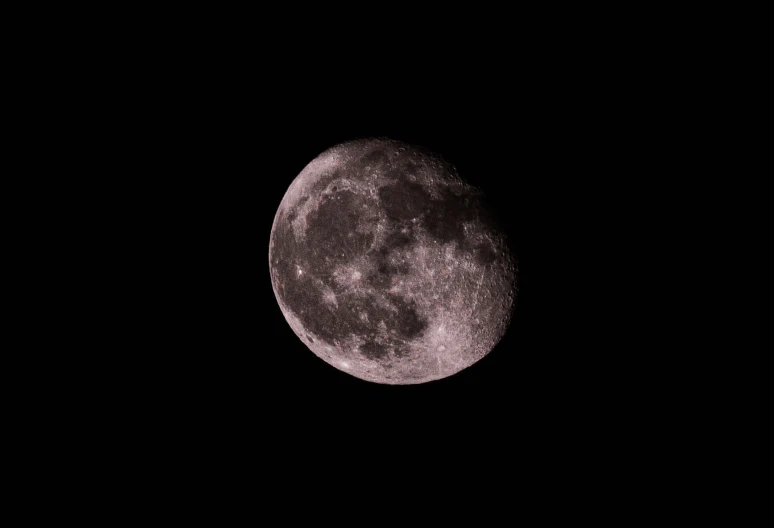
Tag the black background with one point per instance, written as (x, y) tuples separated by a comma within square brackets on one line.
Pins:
[(185, 129), (234, 349), (214, 145)]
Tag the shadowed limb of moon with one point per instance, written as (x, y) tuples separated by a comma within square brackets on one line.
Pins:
[(387, 265)]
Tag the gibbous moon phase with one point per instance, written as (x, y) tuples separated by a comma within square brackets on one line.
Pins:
[(386, 264)]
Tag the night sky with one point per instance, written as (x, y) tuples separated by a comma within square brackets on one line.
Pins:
[(545, 161)]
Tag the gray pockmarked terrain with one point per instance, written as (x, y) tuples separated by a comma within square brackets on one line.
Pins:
[(386, 264)]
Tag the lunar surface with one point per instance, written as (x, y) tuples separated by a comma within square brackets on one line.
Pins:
[(386, 264)]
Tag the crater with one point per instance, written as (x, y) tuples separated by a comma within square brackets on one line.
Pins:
[(322, 183)]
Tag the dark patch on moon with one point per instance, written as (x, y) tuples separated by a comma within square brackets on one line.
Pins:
[(374, 158), (317, 257), (403, 201), (397, 239), (407, 322), (386, 272), (379, 278), (444, 216), (484, 254), (373, 350), (391, 269), (332, 231)]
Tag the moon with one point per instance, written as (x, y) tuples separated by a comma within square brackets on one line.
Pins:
[(388, 265)]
